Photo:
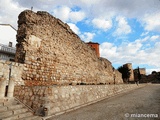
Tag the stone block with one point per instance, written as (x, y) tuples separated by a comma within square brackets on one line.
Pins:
[(1, 73)]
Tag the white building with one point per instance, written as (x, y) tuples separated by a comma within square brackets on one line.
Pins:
[(7, 52)]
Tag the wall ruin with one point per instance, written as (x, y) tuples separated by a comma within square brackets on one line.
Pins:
[(54, 54), (16, 71), (129, 66), (60, 99)]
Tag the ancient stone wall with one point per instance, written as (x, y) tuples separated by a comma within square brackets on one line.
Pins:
[(129, 65), (118, 76), (16, 71), (64, 98), (54, 54)]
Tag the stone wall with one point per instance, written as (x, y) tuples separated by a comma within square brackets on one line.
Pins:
[(63, 98), (118, 76), (54, 54), (16, 71), (129, 66)]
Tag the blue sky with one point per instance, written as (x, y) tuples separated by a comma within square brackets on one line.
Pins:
[(128, 31)]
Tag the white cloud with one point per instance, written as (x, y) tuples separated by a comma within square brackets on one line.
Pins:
[(130, 48), (89, 2), (87, 36), (102, 23), (9, 11), (133, 52), (144, 34), (151, 22), (134, 8), (155, 37), (67, 15), (122, 28), (74, 28), (62, 13), (76, 16), (109, 51), (146, 38)]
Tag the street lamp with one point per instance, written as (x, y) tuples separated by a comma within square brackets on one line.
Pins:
[(10, 70), (10, 83), (114, 76), (7, 87)]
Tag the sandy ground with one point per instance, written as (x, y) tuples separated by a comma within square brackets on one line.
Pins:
[(139, 104)]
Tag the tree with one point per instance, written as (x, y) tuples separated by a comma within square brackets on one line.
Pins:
[(139, 75), (125, 71), (154, 72)]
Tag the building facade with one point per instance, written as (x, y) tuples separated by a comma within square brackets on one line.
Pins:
[(7, 52), (95, 46)]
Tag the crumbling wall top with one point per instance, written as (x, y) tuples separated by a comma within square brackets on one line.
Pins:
[(55, 54)]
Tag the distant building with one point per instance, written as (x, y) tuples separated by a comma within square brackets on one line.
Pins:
[(7, 52), (144, 78), (95, 46), (141, 70), (129, 65)]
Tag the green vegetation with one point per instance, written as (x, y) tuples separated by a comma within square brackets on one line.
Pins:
[(125, 73)]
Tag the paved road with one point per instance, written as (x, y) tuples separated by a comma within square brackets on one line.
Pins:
[(139, 104)]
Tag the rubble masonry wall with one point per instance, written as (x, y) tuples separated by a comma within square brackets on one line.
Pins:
[(54, 54)]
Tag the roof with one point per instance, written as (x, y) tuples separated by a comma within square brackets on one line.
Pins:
[(92, 43)]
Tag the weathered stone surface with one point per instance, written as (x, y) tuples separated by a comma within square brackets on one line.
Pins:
[(61, 98), (2, 86), (54, 54), (11, 87), (16, 71)]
